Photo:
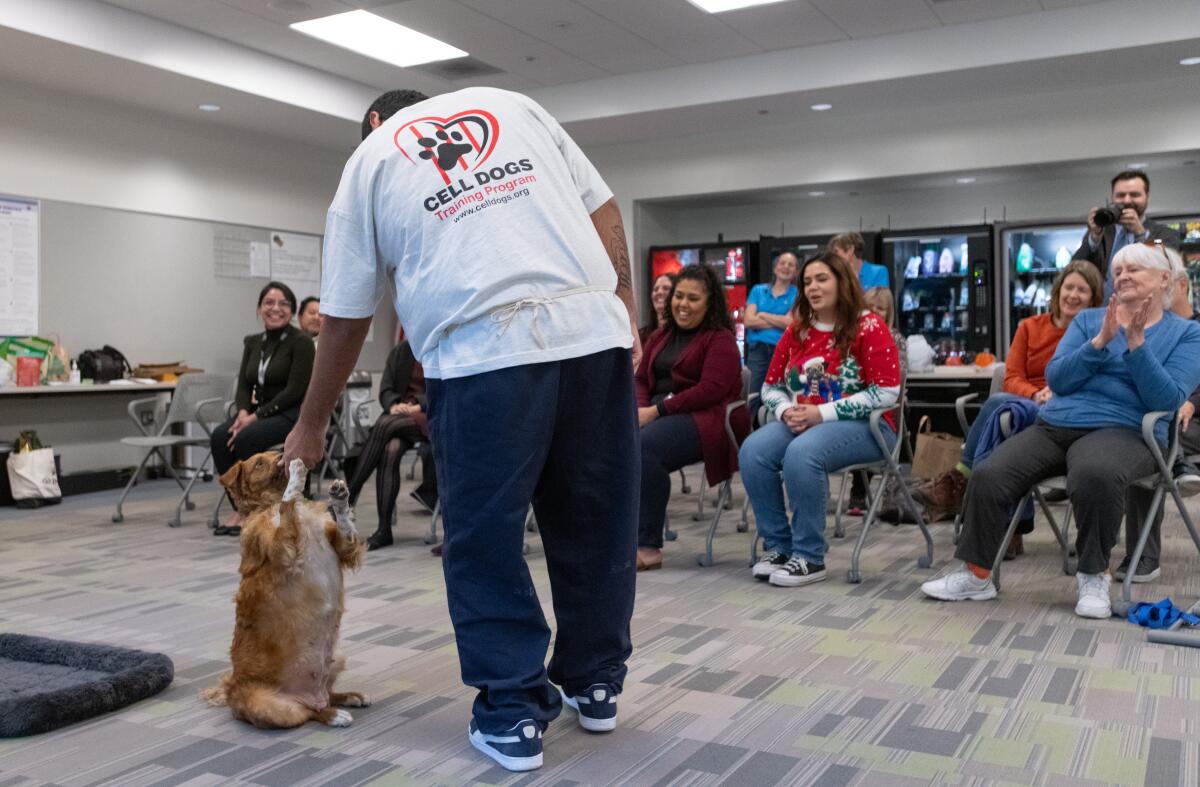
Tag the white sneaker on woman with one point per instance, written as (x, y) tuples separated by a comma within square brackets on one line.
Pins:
[(961, 585), (1094, 601)]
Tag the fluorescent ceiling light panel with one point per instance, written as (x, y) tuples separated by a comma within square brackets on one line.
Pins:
[(720, 6), (1190, 61), (379, 38), (821, 107)]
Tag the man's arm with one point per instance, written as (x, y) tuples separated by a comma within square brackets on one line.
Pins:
[(341, 341), (610, 228)]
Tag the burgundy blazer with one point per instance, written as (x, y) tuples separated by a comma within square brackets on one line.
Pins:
[(707, 376)]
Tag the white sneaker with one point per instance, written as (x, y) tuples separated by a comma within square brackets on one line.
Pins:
[(1093, 596), (768, 563), (961, 585)]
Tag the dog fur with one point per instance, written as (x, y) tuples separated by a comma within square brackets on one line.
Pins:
[(290, 600)]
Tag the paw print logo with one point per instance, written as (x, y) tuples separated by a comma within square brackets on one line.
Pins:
[(450, 148)]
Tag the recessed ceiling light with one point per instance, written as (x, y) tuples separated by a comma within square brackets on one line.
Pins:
[(821, 107), (816, 194), (209, 107), (379, 38), (764, 111), (964, 180), (1139, 164), (1190, 61), (720, 6)]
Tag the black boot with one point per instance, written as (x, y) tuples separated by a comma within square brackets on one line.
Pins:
[(379, 539)]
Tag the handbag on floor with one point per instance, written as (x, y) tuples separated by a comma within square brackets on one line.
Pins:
[(936, 452), (33, 478)]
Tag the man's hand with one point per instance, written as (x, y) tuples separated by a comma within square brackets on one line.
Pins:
[(305, 444), (636, 350), (1131, 221), (647, 414), (1185, 415), (1094, 229)]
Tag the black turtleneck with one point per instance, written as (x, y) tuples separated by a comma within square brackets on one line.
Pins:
[(289, 353), (664, 384)]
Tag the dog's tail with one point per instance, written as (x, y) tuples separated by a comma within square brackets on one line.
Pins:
[(218, 695)]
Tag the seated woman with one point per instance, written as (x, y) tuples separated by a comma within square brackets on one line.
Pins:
[(1112, 367), (834, 365), (689, 372), (271, 383), (402, 425), (659, 294), (766, 318), (1078, 286)]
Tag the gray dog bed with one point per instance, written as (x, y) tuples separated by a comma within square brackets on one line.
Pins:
[(48, 683)]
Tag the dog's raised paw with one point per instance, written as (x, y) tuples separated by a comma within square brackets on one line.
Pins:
[(339, 491), (341, 719), (297, 474)]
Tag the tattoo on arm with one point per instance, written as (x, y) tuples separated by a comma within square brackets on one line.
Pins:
[(618, 252)]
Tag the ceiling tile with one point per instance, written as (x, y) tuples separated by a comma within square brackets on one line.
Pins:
[(953, 12), (784, 25), (1051, 5), (676, 27), (863, 18), (576, 29)]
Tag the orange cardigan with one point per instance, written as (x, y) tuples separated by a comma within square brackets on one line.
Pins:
[(1032, 348)]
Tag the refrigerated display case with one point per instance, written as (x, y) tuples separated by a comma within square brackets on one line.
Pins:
[(1188, 228), (943, 283), (733, 263), (803, 246), (1031, 255)]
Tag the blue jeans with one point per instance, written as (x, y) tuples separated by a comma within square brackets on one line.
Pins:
[(573, 454), (975, 433), (804, 461)]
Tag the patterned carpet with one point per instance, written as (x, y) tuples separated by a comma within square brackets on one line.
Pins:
[(731, 681)]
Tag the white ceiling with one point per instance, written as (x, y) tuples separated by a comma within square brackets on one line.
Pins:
[(615, 71)]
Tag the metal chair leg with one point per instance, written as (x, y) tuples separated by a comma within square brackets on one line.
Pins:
[(668, 533), (706, 559), (184, 499), (1008, 534), (214, 519), (696, 517), (744, 524), (119, 516), (433, 519), (1060, 534), (683, 483), (839, 530), (412, 468)]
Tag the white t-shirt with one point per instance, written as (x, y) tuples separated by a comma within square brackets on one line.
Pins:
[(477, 206)]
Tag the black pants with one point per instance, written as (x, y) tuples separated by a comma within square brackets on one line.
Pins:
[(1138, 503), (668, 443), (390, 438), (255, 438), (563, 435), (1098, 464)]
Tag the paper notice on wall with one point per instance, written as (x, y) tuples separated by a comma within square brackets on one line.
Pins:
[(19, 272), (231, 250), (296, 261), (260, 260)]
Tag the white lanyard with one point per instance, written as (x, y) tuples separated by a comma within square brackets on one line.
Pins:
[(265, 360)]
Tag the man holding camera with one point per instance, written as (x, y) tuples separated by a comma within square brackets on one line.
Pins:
[(1121, 222)]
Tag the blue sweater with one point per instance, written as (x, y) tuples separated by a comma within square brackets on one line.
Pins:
[(1115, 387)]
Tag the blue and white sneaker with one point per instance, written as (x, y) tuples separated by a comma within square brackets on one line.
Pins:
[(519, 748), (596, 706)]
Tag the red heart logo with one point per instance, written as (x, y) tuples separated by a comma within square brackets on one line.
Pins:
[(463, 140)]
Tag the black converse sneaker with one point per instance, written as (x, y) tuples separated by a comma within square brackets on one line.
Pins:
[(797, 571), (519, 748), (768, 563)]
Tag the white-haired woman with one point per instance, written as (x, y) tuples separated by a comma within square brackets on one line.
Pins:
[(1112, 367)]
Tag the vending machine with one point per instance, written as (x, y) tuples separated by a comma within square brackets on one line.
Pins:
[(1188, 228), (1031, 255), (943, 283), (732, 263)]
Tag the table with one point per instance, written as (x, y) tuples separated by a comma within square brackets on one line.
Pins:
[(933, 393)]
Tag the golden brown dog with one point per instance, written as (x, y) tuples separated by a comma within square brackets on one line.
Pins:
[(290, 600)]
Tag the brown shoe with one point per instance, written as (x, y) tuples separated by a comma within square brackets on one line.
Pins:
[(1016, 547), (944, 496)]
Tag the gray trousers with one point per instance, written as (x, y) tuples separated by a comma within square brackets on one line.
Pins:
[(1138, 501), (1098, 464)]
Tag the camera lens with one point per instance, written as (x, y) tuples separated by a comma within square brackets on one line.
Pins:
[(1106, 217)]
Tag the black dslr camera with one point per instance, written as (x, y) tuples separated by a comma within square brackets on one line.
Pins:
[(1109, 214)]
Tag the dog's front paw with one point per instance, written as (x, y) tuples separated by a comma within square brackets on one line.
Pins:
[(339, 492), (341, 719), (354, 699), (297, 475)]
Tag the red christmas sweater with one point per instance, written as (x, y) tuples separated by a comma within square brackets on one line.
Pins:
[(811, 370)]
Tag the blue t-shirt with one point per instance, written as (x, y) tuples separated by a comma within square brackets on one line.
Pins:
[(761, 297), (1114, 387), (872, 275)]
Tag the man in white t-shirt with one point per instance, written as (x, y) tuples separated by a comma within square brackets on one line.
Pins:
[(505, 254)]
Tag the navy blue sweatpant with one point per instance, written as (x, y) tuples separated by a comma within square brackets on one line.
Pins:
[(564, 436)]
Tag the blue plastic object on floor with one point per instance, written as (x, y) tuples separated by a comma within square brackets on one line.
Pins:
[(1162, 615)]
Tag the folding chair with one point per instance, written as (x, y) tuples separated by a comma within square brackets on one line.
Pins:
[(724, 497), (432, 538), (1060, 533), (190, 391), (887, 467), (960, 409)]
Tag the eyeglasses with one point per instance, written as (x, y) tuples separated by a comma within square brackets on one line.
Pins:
[(1158, 244), (272, 304)]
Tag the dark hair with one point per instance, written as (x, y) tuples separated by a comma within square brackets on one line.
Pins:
[(288, 295), (1130, 174), (389, 104), (652, 323), (716, 316), (304, 303), (850, 303), (849, 240)]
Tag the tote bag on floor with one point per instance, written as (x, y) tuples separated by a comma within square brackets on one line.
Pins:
[(33, 479), (936, 452)]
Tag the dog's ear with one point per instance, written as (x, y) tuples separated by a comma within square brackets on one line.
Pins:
[(230, 477)]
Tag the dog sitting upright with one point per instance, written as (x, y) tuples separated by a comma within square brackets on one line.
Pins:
[(290, 600)]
